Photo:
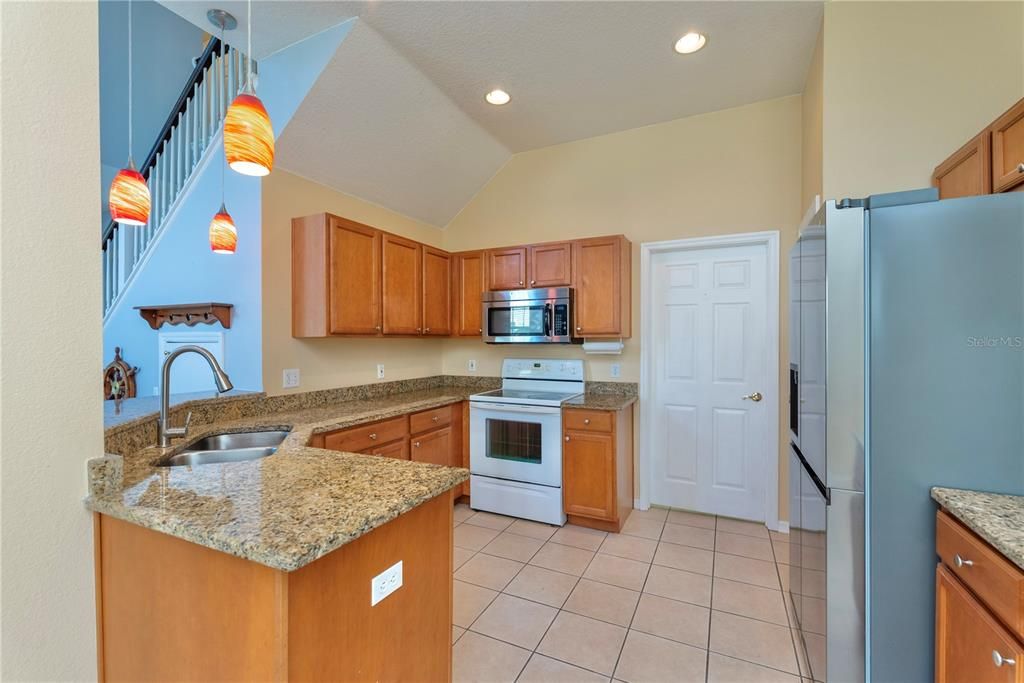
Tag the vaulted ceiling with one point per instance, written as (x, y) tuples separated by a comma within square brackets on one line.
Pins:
[(398, 116)]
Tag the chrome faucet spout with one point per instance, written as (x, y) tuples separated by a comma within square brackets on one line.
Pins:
[(165, 431)]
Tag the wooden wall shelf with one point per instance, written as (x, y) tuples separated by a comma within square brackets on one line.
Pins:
[(188, 314)]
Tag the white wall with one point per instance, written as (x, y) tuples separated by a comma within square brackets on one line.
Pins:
[(50, 405)]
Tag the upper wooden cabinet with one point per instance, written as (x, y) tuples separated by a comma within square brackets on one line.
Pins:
[(992, 161), (437, 292), (402, 285), (550, 265), (968, 171), (1008, 149), (602, 277), (335, 277), (470, 282), (506, 268)]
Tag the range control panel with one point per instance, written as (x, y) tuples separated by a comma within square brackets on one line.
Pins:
[(542, 368)]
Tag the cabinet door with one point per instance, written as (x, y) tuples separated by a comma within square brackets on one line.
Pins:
[(588, 472), (437, 292), (398, 450), (970, 645), (968, 171), (434, 447), (601, 270), (402, 286), (470, 283), (1008, 149), (551, 265), (507, 268), (355, 290)]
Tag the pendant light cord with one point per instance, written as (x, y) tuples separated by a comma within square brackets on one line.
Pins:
[(248, 52), (223, 162), (130, 126)]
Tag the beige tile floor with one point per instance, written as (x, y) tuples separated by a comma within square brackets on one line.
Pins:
[(677, 596)]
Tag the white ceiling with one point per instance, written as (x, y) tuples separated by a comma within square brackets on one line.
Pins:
[(398, 117)]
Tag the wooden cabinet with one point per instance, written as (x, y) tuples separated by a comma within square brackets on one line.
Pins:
[(434, 447), (597, 467), (968, 171), (979, 609), (437, 292), (396, 449), (365, 438), (402, 293), (1008, 150), (335, 277), (550, 265), (601, 270), (506, 268), (470, 283)]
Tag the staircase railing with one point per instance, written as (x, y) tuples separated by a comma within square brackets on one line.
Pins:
[(193, 123)]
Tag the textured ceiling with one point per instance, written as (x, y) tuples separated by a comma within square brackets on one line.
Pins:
[(398, 116)]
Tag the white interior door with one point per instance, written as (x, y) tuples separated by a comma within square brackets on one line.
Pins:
[(709, 351)]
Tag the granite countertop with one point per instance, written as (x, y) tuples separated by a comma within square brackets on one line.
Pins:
[(997, 518), (283, 511), (126, 410), (601, 401)]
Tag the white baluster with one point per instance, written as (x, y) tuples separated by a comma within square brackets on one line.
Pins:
[(230, 64)]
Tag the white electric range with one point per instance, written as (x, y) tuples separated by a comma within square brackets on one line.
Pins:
[(515, 439)]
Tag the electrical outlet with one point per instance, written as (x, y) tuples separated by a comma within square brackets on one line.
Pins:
[(385, 583), (291, 379), (380, 371), (616, 370), (471, 365)]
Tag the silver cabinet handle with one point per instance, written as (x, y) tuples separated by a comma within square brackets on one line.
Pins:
[(533, 282), (373, 437), (520, 283), (579, 329), (755, 397), (999, 660), (377, 328), (961, 562), (567, 438), (586, 421), (480, 330), (1020, 168), (417, 444), (427, 330), (417, 329), (435, 418)]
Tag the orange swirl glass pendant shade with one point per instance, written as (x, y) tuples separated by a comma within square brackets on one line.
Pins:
[(129, 197), (248, 136), (223, 235)]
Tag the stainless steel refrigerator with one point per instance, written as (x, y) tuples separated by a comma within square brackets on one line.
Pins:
[(906, 372)]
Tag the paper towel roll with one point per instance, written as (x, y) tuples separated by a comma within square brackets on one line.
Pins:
[(603, 347)]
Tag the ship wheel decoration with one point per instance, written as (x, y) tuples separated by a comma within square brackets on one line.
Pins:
[(118, 378)]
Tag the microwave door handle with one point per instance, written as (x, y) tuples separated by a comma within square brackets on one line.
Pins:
[(548, 319)]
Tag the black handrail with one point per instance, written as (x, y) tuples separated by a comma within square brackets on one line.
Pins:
[(198, 73)]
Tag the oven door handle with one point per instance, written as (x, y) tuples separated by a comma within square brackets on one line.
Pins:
[(549, 313), (514, 408)]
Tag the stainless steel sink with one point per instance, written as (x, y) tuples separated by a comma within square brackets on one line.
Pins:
[(236, 447)]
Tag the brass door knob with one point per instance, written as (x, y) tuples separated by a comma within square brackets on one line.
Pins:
[(755, 397)]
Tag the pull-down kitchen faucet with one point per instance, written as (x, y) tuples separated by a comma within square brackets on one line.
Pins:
[(164, 431)]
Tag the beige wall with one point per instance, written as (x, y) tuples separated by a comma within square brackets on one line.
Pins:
[(907, 83), (810, 125), (726, 172), (51, 337), (328, 363)]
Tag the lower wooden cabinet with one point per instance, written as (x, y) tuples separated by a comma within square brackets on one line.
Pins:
[(970, 645), (434, 447), (395, 449), (597, 467)]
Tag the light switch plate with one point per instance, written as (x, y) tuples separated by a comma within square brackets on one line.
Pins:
[(471, 365), (385, 583), (290, 379), (616, 370), (380, 371)]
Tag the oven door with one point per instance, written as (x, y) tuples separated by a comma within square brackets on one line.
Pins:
[(516, 442)]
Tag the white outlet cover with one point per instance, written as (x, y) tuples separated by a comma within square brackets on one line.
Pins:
[(616, 370), (380, 371), (385, 583), (290, 378), (471, 365)]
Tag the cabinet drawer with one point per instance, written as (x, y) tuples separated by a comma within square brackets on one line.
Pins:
[(365, 437), (430, 419), (969, 644), (588, 420), (993, 578)]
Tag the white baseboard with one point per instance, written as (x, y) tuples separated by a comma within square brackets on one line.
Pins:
[(780, 525)]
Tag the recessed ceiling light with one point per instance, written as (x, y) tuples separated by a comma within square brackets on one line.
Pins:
[(690, 43), (498, 97)]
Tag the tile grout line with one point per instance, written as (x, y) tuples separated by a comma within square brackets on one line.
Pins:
[(711, 605)]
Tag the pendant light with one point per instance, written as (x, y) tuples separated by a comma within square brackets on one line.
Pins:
[(248, 133), (223, 234), (128, 199)]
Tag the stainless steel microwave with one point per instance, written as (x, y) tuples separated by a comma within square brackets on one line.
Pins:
[(528, 316)]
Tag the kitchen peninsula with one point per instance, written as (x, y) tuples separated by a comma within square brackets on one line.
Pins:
[(261, 570)]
